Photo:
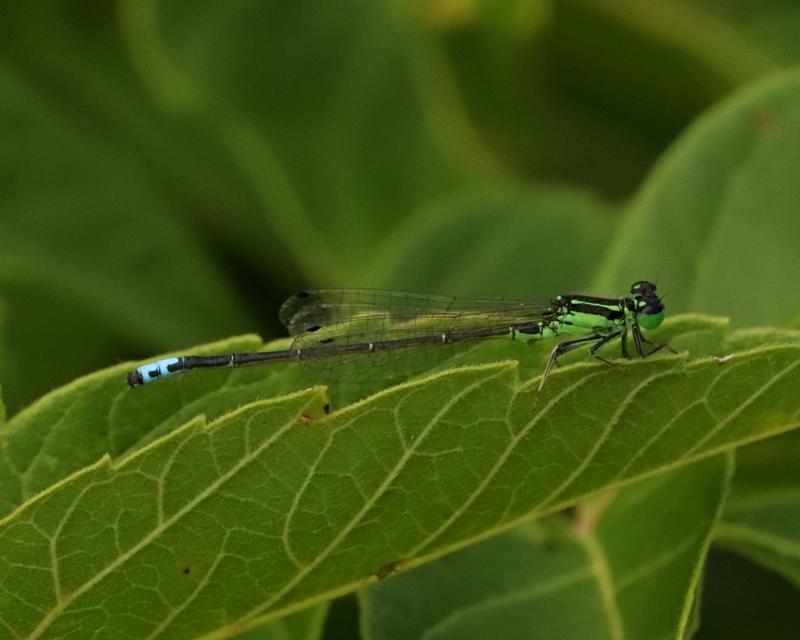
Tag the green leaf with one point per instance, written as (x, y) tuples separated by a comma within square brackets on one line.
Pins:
[(78, 285), (276, 506), (99, 411), (496, 241), (719, 212), (759, 336), (762, 520), (626, 567), (38, 445)]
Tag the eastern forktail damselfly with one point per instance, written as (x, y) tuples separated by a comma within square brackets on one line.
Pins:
[(362, 333)]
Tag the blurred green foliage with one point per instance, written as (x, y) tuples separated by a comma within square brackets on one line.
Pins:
[(170, 170)]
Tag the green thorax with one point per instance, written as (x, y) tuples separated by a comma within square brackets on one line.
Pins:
[(579, 314)]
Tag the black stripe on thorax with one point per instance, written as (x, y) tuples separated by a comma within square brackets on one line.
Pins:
[(598, 310), (579, 297)]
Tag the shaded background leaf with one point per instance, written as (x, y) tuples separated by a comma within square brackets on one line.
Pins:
[(768, 603), (495, 240), (369, 115), (330, 186), (78, 284), (305, 625), (762, 520), (585, 577), (719, 199)]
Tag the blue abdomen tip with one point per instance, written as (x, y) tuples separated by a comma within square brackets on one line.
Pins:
[(158, 369)]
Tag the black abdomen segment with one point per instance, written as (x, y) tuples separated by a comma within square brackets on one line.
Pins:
[(328, 350)]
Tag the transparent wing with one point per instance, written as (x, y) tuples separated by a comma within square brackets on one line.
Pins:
[(395, 322), (314, 309)]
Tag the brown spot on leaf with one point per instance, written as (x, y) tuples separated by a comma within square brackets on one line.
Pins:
[(762, 119), (388, 569)]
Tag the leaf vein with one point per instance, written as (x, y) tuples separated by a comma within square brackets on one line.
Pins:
[(391, 476), (65, 602), (733, 414), (506, 453)]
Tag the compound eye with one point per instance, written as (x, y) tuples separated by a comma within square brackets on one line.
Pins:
[(643, 288)]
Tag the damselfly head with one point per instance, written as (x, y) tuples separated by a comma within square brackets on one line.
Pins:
[(648, 306), (643, 288)]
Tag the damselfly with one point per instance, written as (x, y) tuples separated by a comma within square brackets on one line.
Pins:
[(366, 334)]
